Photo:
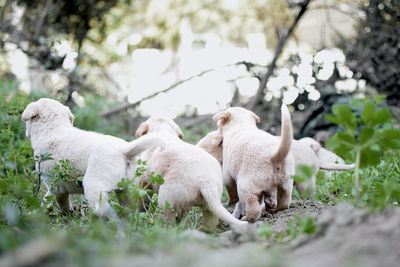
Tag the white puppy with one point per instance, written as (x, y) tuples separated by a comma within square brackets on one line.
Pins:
[(255, 163), (323, 154), (309, 152), (192, 177), (304, 154), (306, 151), (102, 159)]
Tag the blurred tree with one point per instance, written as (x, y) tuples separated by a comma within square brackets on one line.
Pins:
[(374, 54), (35, 27)]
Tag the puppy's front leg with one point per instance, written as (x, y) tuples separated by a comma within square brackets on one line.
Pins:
[(253, 209), (270, 199), (284, 196), (239, 210)]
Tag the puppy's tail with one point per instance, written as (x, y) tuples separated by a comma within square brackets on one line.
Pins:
[(210, 195), (335, 167), (286, 136), (141, 144)]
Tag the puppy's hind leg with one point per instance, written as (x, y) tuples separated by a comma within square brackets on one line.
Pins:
[(166, 203), (62, 197), (170, 216), (96, 194), (63, 202), (231, 188), (253, 209), (250, 201)]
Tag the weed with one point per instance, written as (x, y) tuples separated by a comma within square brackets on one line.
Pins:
[(368, 136)]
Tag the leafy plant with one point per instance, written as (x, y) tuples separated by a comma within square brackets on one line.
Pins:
[(265, 231), (62, 172), (303, 173), (38, 170), (301, 225), (367, 136), (294, 228), (139, 198)]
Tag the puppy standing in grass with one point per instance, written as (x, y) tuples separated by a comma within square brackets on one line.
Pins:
[(306, 151), (102, 159), (192, 177), (255, 163), (322, 153)]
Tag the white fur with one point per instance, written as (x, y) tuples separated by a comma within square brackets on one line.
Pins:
[(306, 151), (255, 163), (102, 159), (192, 176), (323, 154)]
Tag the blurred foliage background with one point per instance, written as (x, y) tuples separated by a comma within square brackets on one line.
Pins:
[(103, 56)]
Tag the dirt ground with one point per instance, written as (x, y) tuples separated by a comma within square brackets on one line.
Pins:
[(346, 236)]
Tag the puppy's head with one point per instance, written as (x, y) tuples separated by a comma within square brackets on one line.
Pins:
[(212, 143), (314, 144), (157, 124), (235, 115), (46, 111)]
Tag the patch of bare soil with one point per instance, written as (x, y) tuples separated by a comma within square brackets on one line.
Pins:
[(346, 236), (349, 236), (278, 222)]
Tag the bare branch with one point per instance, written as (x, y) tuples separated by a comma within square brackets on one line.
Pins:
[(329, 20), (169, 88), (41, 18), (260, 92)]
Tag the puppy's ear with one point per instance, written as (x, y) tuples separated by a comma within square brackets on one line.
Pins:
[(222, 117), (70, 116), (217, 141), (178, 131), (142, 129), (255, 117), (180, 134), (31, 111)]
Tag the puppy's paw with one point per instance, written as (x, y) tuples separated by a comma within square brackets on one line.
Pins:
[(248, 219)]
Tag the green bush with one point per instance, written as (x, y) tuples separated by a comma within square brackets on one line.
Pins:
[(372, 143), (19, 207)]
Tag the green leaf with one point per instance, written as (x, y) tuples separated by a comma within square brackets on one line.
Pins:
[(142, 193), (370, 156), (45, 156), (343, 143), (343, 115), (308, 226), (390, 138), (381, 117), (265, 231), (347, 138), (366, 135), (303, 173), (124, 183), (368, 112), (156, 178)]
